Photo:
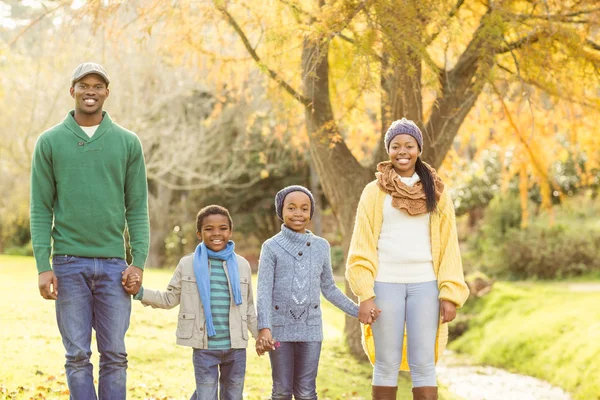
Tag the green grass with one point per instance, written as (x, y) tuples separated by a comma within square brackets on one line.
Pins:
[(544, 330), (33, 355)]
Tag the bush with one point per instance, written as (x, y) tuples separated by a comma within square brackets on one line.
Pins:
[(25, 250), (545, 252)]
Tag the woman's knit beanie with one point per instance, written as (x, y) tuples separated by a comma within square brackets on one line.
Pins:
[(280, 197), (400, 127)]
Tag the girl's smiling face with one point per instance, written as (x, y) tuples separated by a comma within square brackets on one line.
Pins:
[(404, 151), (215, 231), (296, 211)]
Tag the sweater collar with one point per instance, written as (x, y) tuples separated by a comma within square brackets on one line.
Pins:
[(293, 242), (74, 127)]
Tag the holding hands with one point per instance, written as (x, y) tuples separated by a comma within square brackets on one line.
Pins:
[(265, 342), (368, 311), (132, 280)]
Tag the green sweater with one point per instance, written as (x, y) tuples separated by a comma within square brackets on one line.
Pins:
[(84, 191)]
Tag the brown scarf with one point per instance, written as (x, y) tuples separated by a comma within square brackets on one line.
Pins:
[(412, 200)]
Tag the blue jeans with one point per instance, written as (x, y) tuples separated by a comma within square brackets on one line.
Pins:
[(229, 364), (294, 368), (416, 304), (90, 295)]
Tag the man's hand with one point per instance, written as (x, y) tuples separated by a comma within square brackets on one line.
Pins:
[(131, 283), (368, 311), (447, 311), (48, 285)]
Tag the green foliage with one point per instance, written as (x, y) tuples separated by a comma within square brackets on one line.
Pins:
[(542, 330), (25, 250), (565, 245), (482, 180), (549, 252)]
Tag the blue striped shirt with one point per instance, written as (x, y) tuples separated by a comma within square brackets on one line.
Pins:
[(219, 306)]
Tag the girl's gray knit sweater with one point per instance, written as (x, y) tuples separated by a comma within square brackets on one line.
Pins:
[(294, 269)]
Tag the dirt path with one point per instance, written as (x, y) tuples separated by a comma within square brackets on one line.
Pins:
[(487, 383)]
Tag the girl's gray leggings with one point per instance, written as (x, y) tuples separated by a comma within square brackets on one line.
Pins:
[(416, 304)]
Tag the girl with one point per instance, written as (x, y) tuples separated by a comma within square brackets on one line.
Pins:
[(217, 310), (294, 268), (404, 256)]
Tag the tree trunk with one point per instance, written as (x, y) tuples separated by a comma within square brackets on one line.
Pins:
[(158, 204), (317, 225), (342, 177)]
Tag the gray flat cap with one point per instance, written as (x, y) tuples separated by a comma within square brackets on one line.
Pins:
[(89, 68)]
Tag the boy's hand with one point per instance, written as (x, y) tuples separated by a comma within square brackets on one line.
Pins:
[(131, 284), (264, 342)]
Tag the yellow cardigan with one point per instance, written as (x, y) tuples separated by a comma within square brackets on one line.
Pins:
[(361, 267)]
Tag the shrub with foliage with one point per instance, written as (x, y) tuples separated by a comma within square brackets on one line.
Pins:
[(565, 245)]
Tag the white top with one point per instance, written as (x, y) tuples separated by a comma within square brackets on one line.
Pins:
[(89, 130), (404, 246)]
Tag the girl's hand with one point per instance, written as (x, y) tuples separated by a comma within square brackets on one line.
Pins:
[(264, 342), (374, 315), (447, 311), (368, 311)]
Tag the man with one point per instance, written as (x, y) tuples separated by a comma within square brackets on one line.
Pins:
[(88, 182)]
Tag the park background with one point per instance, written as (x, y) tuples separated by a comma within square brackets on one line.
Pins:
[(234, 100)]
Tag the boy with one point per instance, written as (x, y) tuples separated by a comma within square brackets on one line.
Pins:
[(214, 290)]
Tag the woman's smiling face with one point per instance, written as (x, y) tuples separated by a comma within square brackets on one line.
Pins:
[(404, 151)]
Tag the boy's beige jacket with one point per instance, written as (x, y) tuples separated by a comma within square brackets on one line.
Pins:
[(361, 268), (191, 325)]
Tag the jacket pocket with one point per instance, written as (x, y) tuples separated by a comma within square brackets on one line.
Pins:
[(245, 327), (277, 314), (314, 314), (244, 287), (188, 284), (185, 325)]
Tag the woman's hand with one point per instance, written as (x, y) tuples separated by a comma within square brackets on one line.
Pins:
[(447, 311), (368, 311)]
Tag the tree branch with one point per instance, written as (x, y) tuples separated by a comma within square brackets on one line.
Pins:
[(274, 75), (63, 4), (451, 14), (529, 39), (558, 17), (593, 45)]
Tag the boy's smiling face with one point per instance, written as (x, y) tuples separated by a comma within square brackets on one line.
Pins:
[(296, 211), (215, 231)]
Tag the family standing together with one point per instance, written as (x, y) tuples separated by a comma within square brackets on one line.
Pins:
[(88, 186)]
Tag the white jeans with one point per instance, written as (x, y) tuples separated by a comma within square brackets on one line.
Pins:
[(417, 305)]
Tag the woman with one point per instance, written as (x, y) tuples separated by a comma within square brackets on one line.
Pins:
[(404, 261)]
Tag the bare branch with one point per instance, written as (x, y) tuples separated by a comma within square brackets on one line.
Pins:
[(274, 75), (64, 3)]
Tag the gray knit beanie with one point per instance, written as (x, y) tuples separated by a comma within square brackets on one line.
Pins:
[(280, 197), (406, 127)]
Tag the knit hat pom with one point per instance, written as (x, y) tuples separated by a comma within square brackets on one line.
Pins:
[(403, 127), (280, 197)]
